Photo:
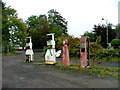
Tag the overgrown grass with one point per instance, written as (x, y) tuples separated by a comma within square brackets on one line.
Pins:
[(106, 55), (75, 58), (109, 58), (92, 70)]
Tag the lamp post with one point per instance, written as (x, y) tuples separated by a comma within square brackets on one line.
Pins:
[(106, 31)]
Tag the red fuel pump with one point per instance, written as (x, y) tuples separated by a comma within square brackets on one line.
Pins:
[(84, 52), (65, 56)]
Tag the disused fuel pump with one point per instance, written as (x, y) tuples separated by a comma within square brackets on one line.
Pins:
[(29, 52), (51, 54), (84, 52), (65, 54)]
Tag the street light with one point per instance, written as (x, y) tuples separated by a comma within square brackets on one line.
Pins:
[(106, 30)]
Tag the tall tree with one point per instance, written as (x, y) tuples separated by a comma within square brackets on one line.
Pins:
[(13, 29), (100, 30), (57, 23), (17, 32), (91, 36), (39, 29), (40, 26)]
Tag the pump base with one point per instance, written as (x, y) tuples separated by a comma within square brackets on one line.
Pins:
[(49, 62)]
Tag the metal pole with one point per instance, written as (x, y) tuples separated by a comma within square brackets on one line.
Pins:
[(107, 32)]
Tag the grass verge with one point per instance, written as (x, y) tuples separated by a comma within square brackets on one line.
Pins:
[(109, 58), (92, 70)]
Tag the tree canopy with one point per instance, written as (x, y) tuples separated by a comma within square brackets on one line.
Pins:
[(40, 26), (13, 29), (57, 23), (91, 35), (100, 30)]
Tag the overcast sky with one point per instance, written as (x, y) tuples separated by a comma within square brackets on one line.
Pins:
[(80, 14)]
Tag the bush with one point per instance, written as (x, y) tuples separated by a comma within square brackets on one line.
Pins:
[(97, 52), (108, 55), (112, 53), (115, 43), (74, 47), (95, 48)]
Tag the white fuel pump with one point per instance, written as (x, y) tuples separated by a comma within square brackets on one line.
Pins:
[(29, 52), (51, 54)]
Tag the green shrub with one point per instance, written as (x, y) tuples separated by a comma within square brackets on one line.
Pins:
[(92, 70), (74, 47), (115, 43), (108, 55), (112, 53), (95, 48)]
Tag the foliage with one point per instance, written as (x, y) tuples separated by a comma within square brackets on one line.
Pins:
[(13, 30), (40, 26), (109, 58), (74, 46), (113, 53), (92, 70), (97, 52), (107, 55), (115, 43), (100, 30), (59, 42), (95, 48), (98, 40), (38, 29), (57, 23), (91, 36)]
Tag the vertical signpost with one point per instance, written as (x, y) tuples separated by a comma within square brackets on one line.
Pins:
[(65, 58), (84, 52)]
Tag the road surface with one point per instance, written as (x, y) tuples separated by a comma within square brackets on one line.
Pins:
[(19, 74)]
